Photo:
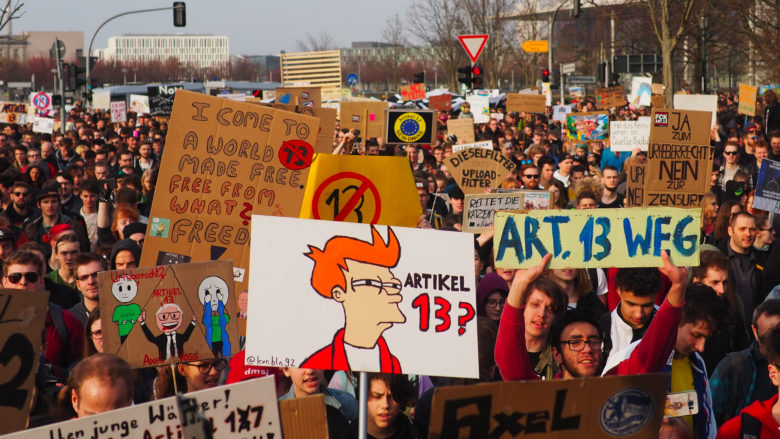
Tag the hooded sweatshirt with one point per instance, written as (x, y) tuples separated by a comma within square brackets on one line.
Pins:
[(125, 244), (760, 411)]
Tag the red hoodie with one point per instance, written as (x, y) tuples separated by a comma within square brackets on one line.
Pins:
[(762, 411)]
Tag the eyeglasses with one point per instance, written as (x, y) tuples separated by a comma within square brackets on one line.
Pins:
[(22, 194), (173, 315), (30, 276), (578, 345), (493, 302), (531, 175), (391, 287), (731, 152), (218, 365), (97, 335), (84, 277)]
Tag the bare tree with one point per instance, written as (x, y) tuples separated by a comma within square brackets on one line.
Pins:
[(437, 23), (500, 51), (316, 43), (394, 34), (10, 12)]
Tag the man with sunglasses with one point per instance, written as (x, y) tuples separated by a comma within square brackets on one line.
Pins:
[(529, 176), (88, 265), (21, 206), (64, 341), (730, 165)]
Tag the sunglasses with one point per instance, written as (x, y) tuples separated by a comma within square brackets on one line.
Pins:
[(526, 162), (731, 152), (531, 175), (30, 276), (22, 194)]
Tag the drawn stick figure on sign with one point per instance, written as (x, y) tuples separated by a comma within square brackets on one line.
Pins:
[(124, 290)]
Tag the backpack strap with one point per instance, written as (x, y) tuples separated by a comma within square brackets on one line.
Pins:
[(59, 324), (594, 280), (751, 427)]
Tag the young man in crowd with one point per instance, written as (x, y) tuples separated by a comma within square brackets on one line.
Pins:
[(51, 214), (388, 397), (101, 383), (745, 267), (610, 198), (88, 265)]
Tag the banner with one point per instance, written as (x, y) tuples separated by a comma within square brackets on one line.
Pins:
[(410, 127), (480, 108), (477, 169), (413, 92), (485, 144), (621, 406), (625, 135), (604, 237), (366, 116), (22, 320), (747, 99), (303, 96), (411, 291), (587, 126), (139, 104), (224, 161), (480, 208), (118, 112), (14, 112), (442, 102), (243, 410), (526, 103), (361, 189), (610, 97), (463, 129), (768, 187), (161, 98)]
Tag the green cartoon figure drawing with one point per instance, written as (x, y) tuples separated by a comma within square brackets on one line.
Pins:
[(125, 289)]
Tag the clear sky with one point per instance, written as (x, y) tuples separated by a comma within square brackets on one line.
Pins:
[(255, 27)]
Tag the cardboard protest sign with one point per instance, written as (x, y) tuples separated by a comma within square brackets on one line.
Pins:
[(101, 101), (171, 313), (304, 418), (657, 101), (118, 112), (241, 410), (620, 406), (327, 117), (362, 189), (367, 116), (707, 103), (476, 169), (410, 126), (610, 97), (224, 161), (747, 99), (625, 135), (526, 103), (679, 160), (304, 96), (768, 187), (587, 126), (560, 112), (21, 324), (442, 102), (480, 208), (13, 112), (635, 185), (576, 91), (480, 108), (605, 237), (139, 104), (463, 129), (532, 199), (485, 144), (414, 302), (641, 90), (657, 89), (161, 99), (413, 92), (43, 124)]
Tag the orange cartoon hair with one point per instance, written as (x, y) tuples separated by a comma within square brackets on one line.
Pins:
[(329, 263)]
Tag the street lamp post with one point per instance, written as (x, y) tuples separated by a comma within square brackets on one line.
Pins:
[(124, 76), (703, 25)]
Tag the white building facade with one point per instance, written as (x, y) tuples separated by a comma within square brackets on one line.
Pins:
[(201, 51)]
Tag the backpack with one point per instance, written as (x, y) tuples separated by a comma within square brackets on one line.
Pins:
[(751, 427), (59, 324)]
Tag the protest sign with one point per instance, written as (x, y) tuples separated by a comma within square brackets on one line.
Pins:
[(480, 108), (657, 101), (139, 104), (641, 90), (362, 189), (485, 144), (625, 135), (635, 185), (303, 96), (442, 102), (768, 187), (463, 129), (610, 97), (707, 103), (224, 161), (560, 112), (161, 99), (43, 124), (304, 418), (620, 406), (476, 169), (587, 126), (366, 116), (747, 99), (480, 208), (410, 126), (327, 117), (532, 199), (243, 410), (657, 89), (606, 237), (21, 324), (526, 103), (547, 92), (13, 112), (161, 314), (412, 92), (118, 112), (679, 158), (102, 101), (410, 290), (41, 104), (577, 91)]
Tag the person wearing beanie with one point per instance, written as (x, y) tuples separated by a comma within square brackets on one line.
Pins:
[(125, 255), (135, 231)]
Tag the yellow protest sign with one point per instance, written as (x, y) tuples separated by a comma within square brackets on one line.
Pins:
[(358, 189), (632, 237), (535, 46), (747, 99), (476, 169)]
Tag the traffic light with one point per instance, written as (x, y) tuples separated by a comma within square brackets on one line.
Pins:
[(75, 76), (546, 75), (615, 79), (419, 78), (476, 79), (464, 75), (179, 14), (575, 9)]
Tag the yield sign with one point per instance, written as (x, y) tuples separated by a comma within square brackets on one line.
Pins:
[(473, 44)]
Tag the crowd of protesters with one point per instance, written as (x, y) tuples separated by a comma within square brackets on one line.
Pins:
[(77, 204)]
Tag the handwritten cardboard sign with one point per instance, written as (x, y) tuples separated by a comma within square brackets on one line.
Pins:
[(610, 97), (367, 116), (441, 102), (223, 161), (476, 169), (484, 144), (586, 127), (22, 317), (526, 103), (413, 302), (747, 99), (479, 209), (463, 129), (621, 406), (362, 189), (14, 112), (685, 127), (768, 187), (43, 124), (304, 96), (304, 418), (409, 126), (241, 410), (167, 314), (413, 92), (635, 185), (118, 112), (139, 104), (657, 101), (560, 112), (625, 135), (480, 107), (604, 237), (327, 117), (161, 98)]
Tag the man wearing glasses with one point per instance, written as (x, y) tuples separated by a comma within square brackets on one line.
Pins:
[(202, 374), (730, 165), (21, 205), (88, 265), (530, 177)]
